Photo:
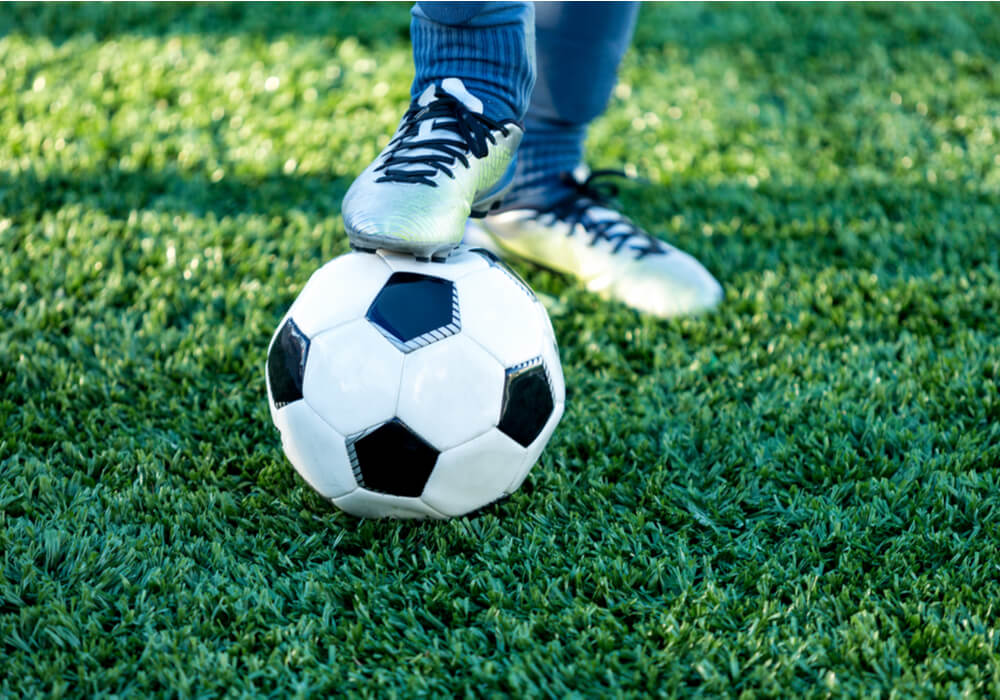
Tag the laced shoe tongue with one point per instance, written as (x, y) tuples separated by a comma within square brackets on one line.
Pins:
[(427, 96), (599, 215), (429, 127), (455, 88), (618, 230)]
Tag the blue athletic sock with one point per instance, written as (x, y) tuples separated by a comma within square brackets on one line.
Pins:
[(490, 47), (547, 150), (579, 48)]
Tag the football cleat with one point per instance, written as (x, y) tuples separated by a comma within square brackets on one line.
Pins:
[(447, 161), (577, 233)]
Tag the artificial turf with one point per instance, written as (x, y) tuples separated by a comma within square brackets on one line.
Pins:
[(794, 496)]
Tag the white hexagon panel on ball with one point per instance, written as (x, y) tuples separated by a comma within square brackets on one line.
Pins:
[(352, 377), (451, 391), (474, 474), (315, 449), (366, 504), (501, 315), (339, 292)]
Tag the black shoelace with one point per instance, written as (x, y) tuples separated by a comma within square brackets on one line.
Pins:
[(473, 131), (573, 208)]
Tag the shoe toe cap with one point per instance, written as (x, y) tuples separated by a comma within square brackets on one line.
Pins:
[(668, 286), (408, 212)]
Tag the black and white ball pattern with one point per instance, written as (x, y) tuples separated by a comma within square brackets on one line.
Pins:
[(409, 389)]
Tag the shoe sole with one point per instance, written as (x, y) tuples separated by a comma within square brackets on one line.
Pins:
[(492, 198), (431, 252)]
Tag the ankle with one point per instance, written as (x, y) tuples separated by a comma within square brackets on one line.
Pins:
[(494, 62), (539, 190)]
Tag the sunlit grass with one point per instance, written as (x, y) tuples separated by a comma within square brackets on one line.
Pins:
[(796, 495)]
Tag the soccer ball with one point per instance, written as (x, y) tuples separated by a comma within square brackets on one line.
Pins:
[(414, 389)]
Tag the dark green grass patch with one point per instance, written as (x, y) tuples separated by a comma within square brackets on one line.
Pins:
[(796, 495)]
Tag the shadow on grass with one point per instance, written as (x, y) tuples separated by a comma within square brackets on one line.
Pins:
[(798, 31), (790, 28), (893, 228), (849, 222), (117, 193), (371, 24), (785, 31)]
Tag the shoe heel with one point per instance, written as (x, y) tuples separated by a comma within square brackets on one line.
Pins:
[(493, 197)]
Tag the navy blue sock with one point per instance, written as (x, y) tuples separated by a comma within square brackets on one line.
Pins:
[(580, 46), (489, 46)]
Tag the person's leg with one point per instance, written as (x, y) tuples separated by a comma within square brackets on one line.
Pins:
[(489, 46), (453, 152), (579, 48)]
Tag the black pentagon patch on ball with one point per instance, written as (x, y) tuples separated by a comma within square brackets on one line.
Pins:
[(527, 401), (496, 262), (286, 364), (413, 310), (392, 459)]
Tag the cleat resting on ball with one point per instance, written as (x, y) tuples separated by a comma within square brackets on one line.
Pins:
[(447, 160)]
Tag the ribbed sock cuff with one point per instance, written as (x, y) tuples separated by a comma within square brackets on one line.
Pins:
[(495, 63), (546, 151)]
